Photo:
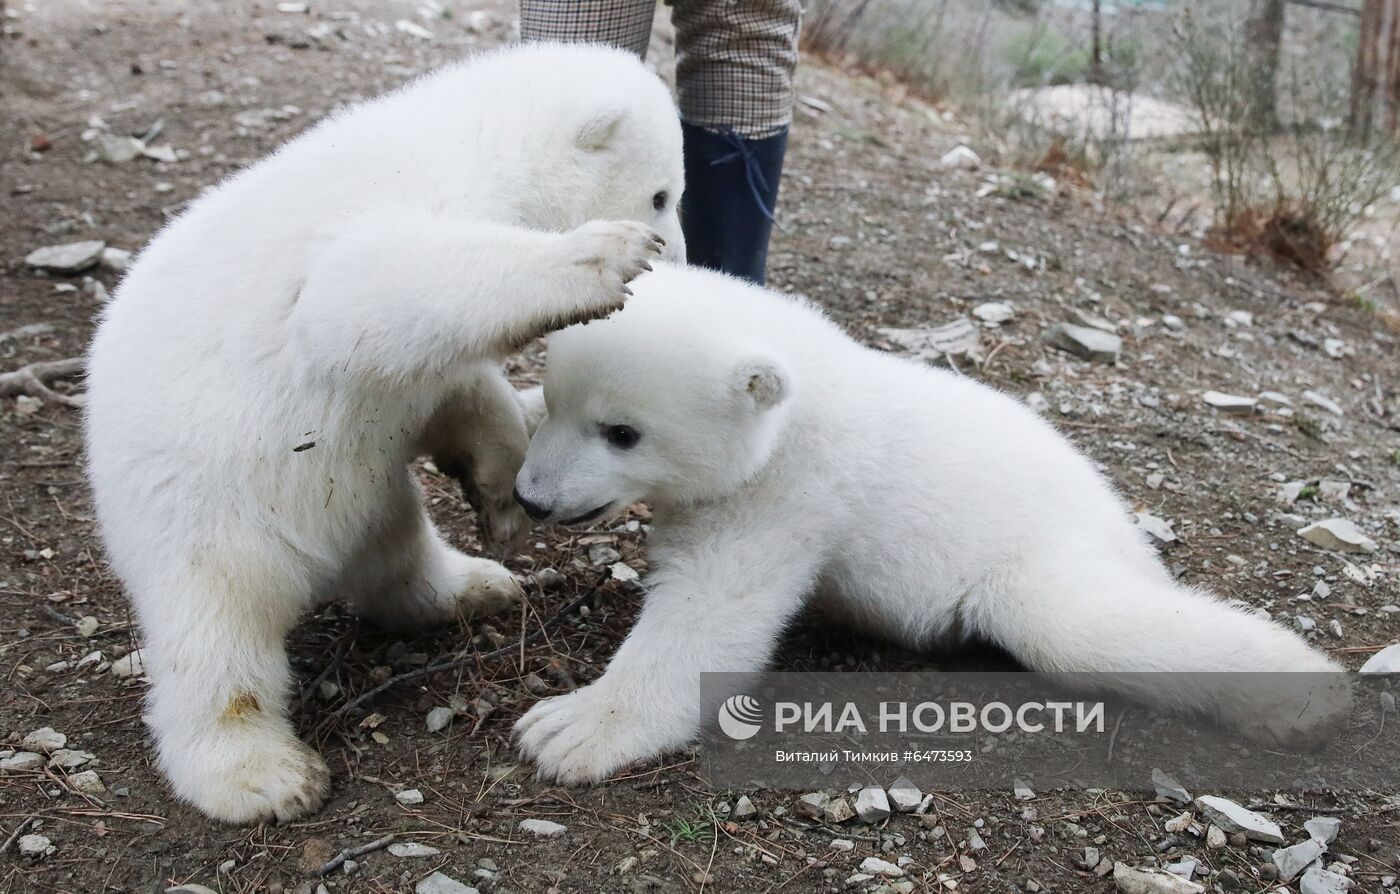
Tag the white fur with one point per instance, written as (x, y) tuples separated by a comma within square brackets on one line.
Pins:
[(785, 462), (352, 291)]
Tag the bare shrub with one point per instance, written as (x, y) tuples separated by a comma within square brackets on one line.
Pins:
[(1293, 187)]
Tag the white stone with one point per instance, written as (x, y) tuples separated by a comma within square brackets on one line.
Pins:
[(22, 762), (1167, 787), (130, 665), (413, 29), (1320, 881), (1021, 791), (412, 849), (1338, 534), (993, 313), (621, 571), (438, 719), (1321, 400), (1293, 860), (876, 866), (44, 739), (118, 150), (35, 847), (1159, 529), (409, 797), (1386, 661), (114, 259), (72, 257), (1232, 817), (87, 782), (1149, 880), (961, 158), (1323, 828), (70, 758), (842, 845), (1229, 403), (872, 805), (813, 804), (437, 883), (744, 808), (1086, 342), (541, 828), (86, 626), (904, 796)]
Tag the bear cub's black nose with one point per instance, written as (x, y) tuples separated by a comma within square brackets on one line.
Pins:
[(534, 510)]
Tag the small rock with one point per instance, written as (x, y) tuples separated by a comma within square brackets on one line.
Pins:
[(1148, 880), (437, 883), (621, 571), (130, 665), (1338, 534), (1179, 823), (813, 804), (1082, 341), (439, 718), (872, 805), (44, 739), (1159, 529), (1215, 837), (73, 257), (1169, 788), (1229, 403), (1232, 817), (1226, 880), (1323, 828), (87, 782), (35, 847), (118, 150), (904, 796), (974, 841), (1323, 401), (1184, 868), (842, 845), (114, 259), (413, 29), (86, 626), (744, 808), (22, 762), (1386, 661), (602, 555), (541, 828), (876, 866), (838, 810), (70, 758), (1320, 881), (192, 888), (409, 797), (1292, 860), (412, 849), (1020, 791), (961, 158), (993, 313)]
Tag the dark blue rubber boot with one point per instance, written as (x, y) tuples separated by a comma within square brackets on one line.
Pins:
[(731, 191)]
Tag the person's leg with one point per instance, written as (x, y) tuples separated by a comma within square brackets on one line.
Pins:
[(734, 68), (619, 23)]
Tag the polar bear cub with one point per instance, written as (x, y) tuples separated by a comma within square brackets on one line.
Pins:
[(785, 462), (280, 353)]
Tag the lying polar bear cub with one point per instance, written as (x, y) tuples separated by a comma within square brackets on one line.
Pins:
[(784, 461), (280, 353)]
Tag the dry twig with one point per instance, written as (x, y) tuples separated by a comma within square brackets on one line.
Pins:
[(33, 380)]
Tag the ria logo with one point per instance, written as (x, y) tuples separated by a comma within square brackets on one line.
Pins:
[(740, 717)]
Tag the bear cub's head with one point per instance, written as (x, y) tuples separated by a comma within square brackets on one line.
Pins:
[(598, 134), (661, 402)]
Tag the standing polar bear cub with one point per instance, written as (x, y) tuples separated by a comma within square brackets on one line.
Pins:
[(281, 352), (784, 461)]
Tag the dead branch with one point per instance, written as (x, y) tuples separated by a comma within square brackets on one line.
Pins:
[(33, 380)]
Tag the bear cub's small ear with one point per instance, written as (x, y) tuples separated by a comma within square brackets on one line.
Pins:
[(764, 381), (600, 128)]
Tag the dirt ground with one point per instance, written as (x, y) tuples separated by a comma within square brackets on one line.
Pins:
[(876, 231)]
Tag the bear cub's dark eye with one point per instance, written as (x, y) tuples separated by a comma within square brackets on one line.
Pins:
[(624, 437), (659, 200)]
